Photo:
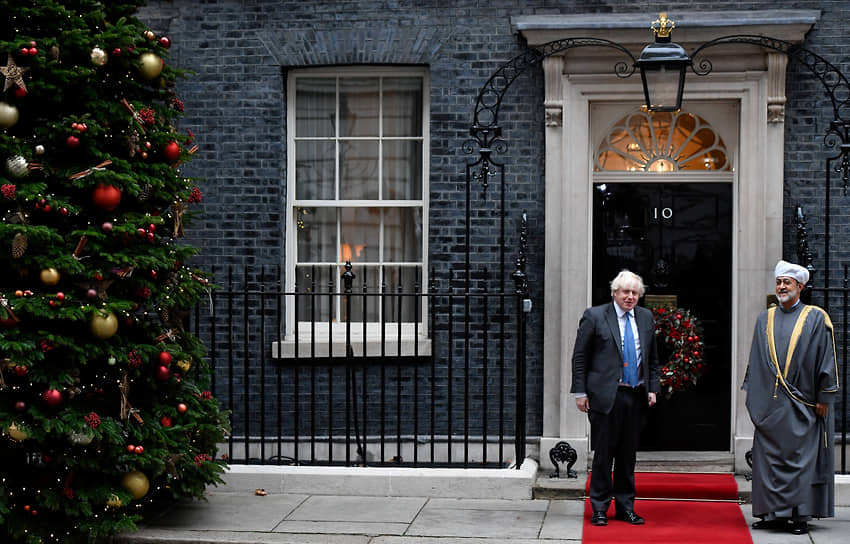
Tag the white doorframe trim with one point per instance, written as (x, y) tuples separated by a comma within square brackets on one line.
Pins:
[(757, 221)]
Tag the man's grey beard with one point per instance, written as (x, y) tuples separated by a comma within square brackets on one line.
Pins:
[(790, 295)]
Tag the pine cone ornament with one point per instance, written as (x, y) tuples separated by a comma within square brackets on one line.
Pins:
[(19, 245)]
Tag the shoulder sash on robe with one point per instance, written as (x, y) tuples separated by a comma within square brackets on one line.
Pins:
[(781, 374)]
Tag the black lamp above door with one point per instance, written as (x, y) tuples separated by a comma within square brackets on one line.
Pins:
[(662, 68)]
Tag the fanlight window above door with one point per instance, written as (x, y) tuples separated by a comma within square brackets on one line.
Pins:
[(661, 142)]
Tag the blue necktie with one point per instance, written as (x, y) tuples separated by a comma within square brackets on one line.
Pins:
[(630, 363)]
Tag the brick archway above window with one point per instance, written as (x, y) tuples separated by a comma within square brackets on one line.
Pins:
[(348, 46)]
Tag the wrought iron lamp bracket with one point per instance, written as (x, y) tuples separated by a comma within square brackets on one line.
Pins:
[(834, 82), (485, 129)]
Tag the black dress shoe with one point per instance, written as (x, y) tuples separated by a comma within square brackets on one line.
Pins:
[(798, 528), (629, 516), (770, 524), (599, 518)]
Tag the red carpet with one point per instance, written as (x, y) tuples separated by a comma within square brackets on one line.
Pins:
[(683, 485), (680, 521)]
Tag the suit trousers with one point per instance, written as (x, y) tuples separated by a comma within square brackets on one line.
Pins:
[(614, 437)]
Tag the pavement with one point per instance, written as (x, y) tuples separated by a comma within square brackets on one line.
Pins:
[(236, 514)]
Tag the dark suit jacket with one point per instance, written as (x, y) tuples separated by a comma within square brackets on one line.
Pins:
[(598, 355)]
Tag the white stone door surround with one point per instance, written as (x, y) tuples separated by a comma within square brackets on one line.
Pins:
[(579, 77)]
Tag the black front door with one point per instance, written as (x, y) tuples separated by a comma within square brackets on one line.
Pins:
[(678, 237)]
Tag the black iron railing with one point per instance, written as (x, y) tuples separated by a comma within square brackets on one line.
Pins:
[(834, 299), (345, 376)]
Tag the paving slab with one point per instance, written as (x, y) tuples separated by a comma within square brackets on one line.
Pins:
[(230, 512), (821, 531), (564, 520), (342, 527), (167, 536), (449, 540), (443, 521), (358, 509), (490, 504)]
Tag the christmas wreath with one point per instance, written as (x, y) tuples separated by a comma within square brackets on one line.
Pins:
[(681, 341)]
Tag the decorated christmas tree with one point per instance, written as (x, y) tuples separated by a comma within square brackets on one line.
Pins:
[(105, 411)]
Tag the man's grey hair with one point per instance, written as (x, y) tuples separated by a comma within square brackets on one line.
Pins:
[(627, 279)]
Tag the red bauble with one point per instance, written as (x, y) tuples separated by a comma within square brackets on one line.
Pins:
[(72, 142), (182, 408), (165, 42), (20, 92), (106, 196), (163, 373), (131, 448), (171, 151), (52, 397), (166, 421), (139, 450), (20, 406), (165, 358), (8, 323)]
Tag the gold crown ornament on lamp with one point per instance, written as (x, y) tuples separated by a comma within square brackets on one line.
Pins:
[(662, 27)]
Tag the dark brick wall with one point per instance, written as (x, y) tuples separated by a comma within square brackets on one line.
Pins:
[(236, 105)]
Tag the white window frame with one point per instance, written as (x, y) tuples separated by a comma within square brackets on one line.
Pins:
[(320, 339)]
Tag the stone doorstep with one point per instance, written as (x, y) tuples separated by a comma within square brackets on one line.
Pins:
[(507, 483)]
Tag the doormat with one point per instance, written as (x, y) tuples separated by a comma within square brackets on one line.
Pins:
[(695, 508)]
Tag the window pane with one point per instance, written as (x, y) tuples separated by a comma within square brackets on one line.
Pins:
[(403, 235), (402, 170), (309, 280), (358, 170), (367, 280), (402, 108), (316, 234), (314, 170), (358, 106), (360, 228), (315, 107), (402, 279)]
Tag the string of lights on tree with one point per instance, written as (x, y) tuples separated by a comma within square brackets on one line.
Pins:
[(105, 408)]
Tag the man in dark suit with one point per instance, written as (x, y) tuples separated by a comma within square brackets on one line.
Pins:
[(615, 380)]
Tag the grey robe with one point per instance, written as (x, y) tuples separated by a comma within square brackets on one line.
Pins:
[(793, 466)]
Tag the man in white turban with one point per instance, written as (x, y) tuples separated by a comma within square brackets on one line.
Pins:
[(791, 381), (784, 269)]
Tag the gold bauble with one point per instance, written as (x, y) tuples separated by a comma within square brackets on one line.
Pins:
[(103, 325), (136, 483), (49, 276), (8, 115), (114, 501), (17, 433), (150, 65), (98, 56), (184, 365)]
